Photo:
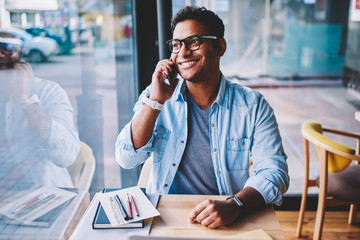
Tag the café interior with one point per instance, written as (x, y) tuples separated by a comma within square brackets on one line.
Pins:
[(303, 56)]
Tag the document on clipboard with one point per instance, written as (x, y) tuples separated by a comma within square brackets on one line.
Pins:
[(127, 205)]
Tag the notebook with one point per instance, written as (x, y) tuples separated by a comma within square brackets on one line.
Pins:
[(101, 221)]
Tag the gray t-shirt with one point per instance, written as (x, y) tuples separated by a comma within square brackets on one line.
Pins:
[(196, 174)]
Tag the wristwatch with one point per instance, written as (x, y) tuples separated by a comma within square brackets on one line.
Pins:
[(151, 103), (236, 200)]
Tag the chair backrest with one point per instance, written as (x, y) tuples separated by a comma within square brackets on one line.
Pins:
[(145, 172), (82, 170), (313, 132)]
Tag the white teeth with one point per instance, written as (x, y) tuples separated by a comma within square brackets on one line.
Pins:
[(187, 63)]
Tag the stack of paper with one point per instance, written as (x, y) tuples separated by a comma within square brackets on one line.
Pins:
[(127, 206), (31, 206)]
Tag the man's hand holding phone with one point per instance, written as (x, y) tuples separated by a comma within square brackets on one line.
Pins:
[(17, 81), (161, 91)]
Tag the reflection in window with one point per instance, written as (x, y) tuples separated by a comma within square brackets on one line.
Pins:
[(79, 66)]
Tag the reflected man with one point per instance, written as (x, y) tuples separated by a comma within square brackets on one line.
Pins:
[(202, 129), (38, 138)]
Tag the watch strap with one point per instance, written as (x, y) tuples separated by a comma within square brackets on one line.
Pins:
[(151, 103), (236, 200)]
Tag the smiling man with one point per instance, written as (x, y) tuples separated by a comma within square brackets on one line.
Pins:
[(202, 129)]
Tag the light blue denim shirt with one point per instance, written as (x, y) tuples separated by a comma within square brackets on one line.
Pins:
[(241, 124)]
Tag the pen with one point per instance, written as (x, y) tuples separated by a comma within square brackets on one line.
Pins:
[(133, 203), (122, 209), (29, 203), (36, 205), (129, 205)]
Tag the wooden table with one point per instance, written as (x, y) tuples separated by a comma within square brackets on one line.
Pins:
[(173, 221), (175, 209)]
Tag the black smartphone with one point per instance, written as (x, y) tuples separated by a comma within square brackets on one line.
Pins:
[(171, 78)]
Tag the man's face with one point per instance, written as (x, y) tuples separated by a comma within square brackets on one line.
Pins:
[(198, 65), (8, 57)]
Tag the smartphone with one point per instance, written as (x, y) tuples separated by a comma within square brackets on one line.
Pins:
[(171, 78)]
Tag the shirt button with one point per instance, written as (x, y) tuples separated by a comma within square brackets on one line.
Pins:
[(222, 193), (155, 130), (182, 141), (213, 125), (214, 149), (218, 172), (174, 164), (165, 185), (243, 143)]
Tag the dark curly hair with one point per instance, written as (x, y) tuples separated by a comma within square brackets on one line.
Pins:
[(213, 23)]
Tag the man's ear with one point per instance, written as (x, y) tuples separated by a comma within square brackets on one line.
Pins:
[(221, 47)]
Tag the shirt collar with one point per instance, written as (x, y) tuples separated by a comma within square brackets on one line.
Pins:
[(180, 94), (221, 99)]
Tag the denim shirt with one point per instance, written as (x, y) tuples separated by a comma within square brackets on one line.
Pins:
[(241, 124)]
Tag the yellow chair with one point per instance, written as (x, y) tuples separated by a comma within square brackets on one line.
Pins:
[(341, 185), (82, 170)]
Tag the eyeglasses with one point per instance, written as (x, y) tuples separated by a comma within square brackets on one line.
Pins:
[(8, 48), (192, 43)]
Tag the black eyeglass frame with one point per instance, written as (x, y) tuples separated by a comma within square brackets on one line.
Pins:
[(8, 48), (168, 42)]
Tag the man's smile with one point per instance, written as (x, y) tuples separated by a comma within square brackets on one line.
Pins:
[(188, 63)]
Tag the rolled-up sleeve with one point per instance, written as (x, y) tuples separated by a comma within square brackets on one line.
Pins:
[(126, 155), (269, 159)]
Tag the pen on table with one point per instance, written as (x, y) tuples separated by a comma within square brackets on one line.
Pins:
[(36, 205), (129, 205), (133, 203), (122, 209), (29, 203)]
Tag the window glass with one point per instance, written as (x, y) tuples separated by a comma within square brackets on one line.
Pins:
[(66, 70)]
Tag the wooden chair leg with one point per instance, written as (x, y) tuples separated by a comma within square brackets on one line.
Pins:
[(319, 222), (302, 212), (352, 214), (305, 191)]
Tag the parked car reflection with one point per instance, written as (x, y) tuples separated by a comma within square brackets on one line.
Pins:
[(64, 41), (36, 49)]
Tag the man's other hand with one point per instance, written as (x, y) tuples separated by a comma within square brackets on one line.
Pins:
[(214, 213)]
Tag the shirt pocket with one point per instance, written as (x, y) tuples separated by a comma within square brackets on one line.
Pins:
[(161, 138), (237, 154)]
